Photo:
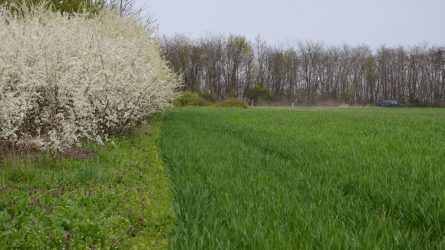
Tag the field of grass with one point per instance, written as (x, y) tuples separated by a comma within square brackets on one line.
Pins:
[(290, 179), (121, 199)]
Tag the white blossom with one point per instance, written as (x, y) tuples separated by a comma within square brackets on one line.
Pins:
[(68, 79)]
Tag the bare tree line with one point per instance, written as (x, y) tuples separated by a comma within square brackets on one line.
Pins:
[(309, 72)]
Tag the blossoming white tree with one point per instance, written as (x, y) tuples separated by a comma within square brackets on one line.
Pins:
[(67, 79)]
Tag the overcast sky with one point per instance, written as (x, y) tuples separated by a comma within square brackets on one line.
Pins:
[(371, 22)]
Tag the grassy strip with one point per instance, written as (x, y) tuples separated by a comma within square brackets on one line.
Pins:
[(120, 199), (326, 179)]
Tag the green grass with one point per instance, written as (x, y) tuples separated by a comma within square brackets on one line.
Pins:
[(121, 199), (290, 179)]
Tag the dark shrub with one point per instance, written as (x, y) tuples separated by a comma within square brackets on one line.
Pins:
[(210, 97), (259, 93), (188, 98)]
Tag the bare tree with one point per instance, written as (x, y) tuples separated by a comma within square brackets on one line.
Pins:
[(310, 72), (130, 8)]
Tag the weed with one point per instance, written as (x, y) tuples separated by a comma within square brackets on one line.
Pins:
[(83, 202)]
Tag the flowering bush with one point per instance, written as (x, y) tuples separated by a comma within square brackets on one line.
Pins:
[(64, 79)]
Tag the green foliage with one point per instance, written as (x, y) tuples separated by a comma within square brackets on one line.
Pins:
[(73, 6), (239, 45), (307, 179), (119, 200), (232, 102), (259, 93), (189, 98), (210, 97), (70, 7)]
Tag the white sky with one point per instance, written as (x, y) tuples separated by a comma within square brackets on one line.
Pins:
[(371, 22)]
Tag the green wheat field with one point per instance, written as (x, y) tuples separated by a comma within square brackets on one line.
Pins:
[(264, 178)]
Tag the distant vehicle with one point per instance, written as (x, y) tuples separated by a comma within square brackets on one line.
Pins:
[(389, 103)]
